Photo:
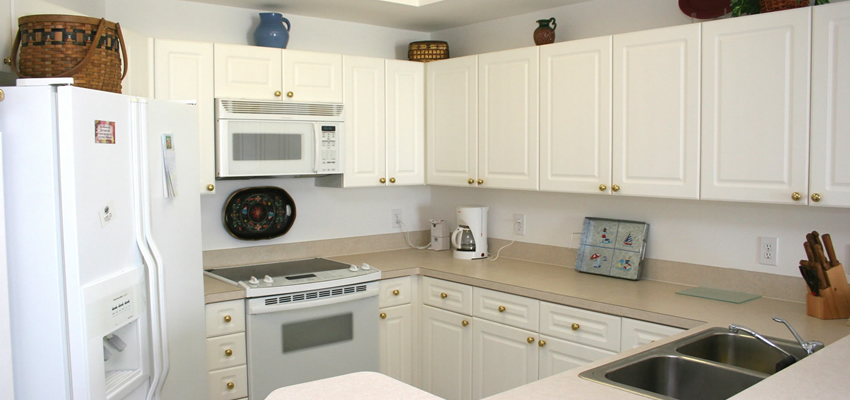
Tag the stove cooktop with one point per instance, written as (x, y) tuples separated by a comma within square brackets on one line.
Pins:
[(294, 276)]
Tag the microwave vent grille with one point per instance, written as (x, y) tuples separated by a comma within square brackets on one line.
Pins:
[(282, 108)]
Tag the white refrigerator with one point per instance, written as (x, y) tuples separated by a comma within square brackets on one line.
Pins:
[(105, 271)]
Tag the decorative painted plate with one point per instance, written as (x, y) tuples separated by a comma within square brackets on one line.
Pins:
[(705, 9), (259, 213)]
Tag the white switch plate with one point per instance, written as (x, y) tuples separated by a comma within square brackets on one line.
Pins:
[(519, 224), (768, 250)]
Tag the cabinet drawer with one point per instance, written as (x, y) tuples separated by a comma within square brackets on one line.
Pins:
[(447, 295), (638, 333), (558, 355), (225, 318), (505, 308), (580, 326), (221, 381), (226, 351), (394, 292)]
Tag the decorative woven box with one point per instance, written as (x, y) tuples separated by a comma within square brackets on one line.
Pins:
[(428, 50)]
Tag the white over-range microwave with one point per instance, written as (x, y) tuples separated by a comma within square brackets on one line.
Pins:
[(273, 138)]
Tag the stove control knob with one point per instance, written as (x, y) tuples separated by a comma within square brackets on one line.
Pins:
[(365, 267), (253, 280), (268, 279), (353, 268)]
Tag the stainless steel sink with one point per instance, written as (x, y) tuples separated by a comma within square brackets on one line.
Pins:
[(711, 365)]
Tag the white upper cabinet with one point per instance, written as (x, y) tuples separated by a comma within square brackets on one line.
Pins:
[(265, 73), (365, 131), (184, 71), (575, 116), (755, 108), (452, 121), (6, 35), (508, 119), (405, 88), (829, 179), (656, 113)]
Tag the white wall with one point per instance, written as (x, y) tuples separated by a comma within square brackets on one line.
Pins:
[(322, 213)]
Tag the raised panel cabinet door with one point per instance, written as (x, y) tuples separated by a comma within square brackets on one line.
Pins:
[(395, 338), (446, 354), (248, 72), (405, 122), (505, 308), (755, 108), (365, 129), (395, 291), (829, 171), (580, 326), (638, 333), (312, 77), (575, 116), (184, 71), (6, 34), (558, 355), (656, 113), (503, 357), (451, 128), (508, 148)]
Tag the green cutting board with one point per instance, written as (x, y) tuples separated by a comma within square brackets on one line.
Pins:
[(718, 294)]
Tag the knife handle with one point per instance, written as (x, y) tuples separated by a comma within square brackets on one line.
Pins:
[(821, 267), (830, 251), (809, 252)]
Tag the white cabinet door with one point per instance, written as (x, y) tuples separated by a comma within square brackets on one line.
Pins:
[(395, 338), (656, 113), (755, 108), (558, 355), (508, 118), (452, 121), (405, 122), (365, 132), (446, 354), (7, 34), (312, 77), (247, 72), (184, 71), (575, 116), (503, 357), (638, 333), (829, 171)]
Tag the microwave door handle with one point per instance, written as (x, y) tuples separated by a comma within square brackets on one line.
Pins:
[(317, 145)]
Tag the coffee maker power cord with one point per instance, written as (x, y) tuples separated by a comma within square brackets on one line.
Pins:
[(407, 238)]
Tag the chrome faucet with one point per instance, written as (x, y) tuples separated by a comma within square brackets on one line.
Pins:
[(738, 328), (810, 346)]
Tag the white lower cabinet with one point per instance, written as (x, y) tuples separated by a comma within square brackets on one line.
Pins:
[(226, 350), (446, 354), (503, 357), (558, 355), (395, 334), (638, 333)]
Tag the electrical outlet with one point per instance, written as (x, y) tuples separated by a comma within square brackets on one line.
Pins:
[(519, 224), (397, 218), (768, 250)]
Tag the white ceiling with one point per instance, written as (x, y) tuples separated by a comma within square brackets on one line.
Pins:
[(414, 15)]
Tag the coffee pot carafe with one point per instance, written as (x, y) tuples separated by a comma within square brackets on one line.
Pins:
[(470, 238)]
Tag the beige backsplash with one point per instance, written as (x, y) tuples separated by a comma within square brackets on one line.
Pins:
[(768, 285)]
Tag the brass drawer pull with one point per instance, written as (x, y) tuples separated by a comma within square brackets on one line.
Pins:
[(395, 292), (444, 295), (227, 318), (228, 352), (502, 308)]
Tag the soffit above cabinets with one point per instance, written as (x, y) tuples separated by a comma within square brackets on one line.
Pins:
[(414, 15)]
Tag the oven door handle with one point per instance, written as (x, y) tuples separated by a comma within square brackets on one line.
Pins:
[(258, 305)]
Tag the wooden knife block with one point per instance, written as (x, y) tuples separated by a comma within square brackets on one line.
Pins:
[(834, 301)]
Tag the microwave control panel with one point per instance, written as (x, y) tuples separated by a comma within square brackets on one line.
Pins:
[(329, 150)]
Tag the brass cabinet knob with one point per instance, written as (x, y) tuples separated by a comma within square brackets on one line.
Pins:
[(227, 318), (502, 308), (395, 292), (290, 94), (210, 187), (615, 188), (444, 295), (470, 181), (465, 323), (230, 385), (2, 95), (602, 187), (7, 61), (277, 93), (541, 343), (228, 352), (530, 340), (796, 196), (383, 315), (815, 197), (392, 180), (575, 327), (481, 181), (383, 180)]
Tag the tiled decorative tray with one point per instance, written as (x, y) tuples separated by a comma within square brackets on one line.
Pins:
[(612, 247)]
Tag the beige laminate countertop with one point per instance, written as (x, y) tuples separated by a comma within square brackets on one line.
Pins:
[(645, 300)]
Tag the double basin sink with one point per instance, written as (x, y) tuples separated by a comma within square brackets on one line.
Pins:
[(712, 365)]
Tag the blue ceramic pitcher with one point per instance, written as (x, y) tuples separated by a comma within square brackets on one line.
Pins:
[(271, 31)]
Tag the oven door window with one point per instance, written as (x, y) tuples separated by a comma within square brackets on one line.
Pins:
[(317, 332)]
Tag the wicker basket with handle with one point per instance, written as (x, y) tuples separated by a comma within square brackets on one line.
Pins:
[(428, 50), (84, 48), (778, 5)]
